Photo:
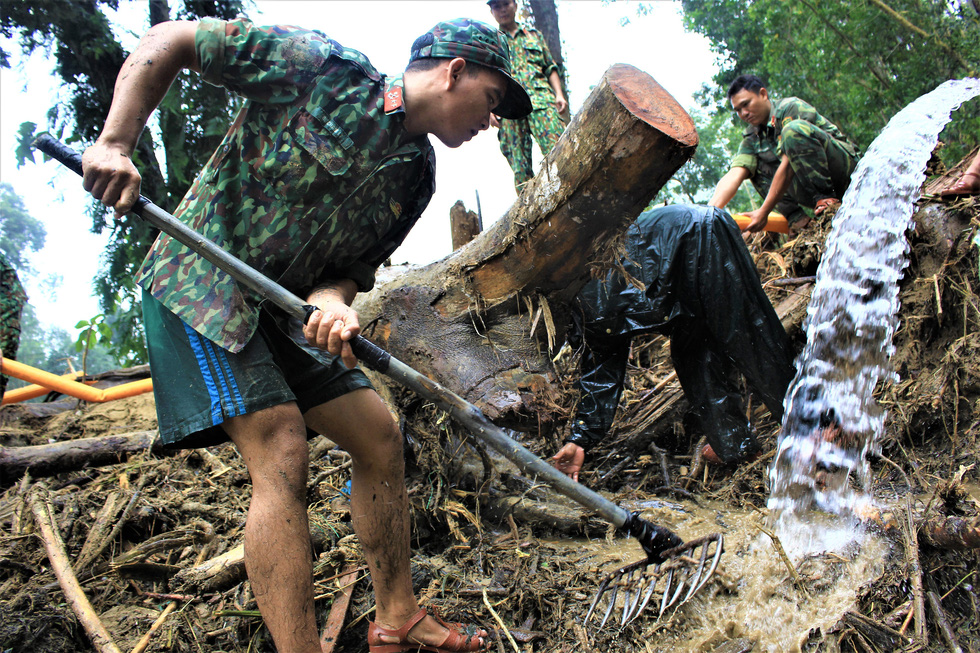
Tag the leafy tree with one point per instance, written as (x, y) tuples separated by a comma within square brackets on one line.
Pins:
[(53, 350), (694, 183), (858, 62), (88, 56), (20, 233)]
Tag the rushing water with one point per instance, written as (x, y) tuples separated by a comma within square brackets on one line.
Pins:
[(831, 419)]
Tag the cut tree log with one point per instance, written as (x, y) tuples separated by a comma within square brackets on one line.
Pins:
[(73, 455), (463, 320)]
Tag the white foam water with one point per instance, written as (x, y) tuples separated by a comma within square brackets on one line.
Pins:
[(831, 420)]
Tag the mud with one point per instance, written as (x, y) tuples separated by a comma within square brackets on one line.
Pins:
[(855, 591)]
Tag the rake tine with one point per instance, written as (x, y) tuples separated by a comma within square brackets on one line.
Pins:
[(647, 597), (677, 592), (719, 547), (635, 591), (612, 603), (697, 575), (627, 590), (598, 595), (702, 576), (663, 601), (642, 582)]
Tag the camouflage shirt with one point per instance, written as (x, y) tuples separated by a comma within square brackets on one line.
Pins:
[(531, 64), (315, 180), (764, 143)]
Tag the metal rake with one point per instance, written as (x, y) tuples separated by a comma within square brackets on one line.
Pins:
[(683, 572)]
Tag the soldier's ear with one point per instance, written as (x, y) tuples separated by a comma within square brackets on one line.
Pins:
[(454, 70)]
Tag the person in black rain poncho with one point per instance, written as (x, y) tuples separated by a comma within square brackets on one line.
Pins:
[(701, 289)]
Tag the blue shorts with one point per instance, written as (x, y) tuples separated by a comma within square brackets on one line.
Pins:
[(197, 385)]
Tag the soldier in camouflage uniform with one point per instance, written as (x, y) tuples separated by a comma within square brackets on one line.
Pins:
[(12, 300), (536, 71), (323, 172), (793, 156)]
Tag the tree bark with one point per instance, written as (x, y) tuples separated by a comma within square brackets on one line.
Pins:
[(465, 320)]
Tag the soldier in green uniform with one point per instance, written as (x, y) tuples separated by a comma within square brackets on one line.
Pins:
[(536, 71), (12, 300), (324, 170), (793, 156)]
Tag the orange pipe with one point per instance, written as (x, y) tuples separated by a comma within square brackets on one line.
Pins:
[(72, 388), (777, 222), (33, 391)]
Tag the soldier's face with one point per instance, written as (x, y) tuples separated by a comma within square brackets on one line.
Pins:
[(467, 105), (752, 107), (503, 11)]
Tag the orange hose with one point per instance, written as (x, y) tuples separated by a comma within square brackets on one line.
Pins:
[(777, 222), (69, 387)]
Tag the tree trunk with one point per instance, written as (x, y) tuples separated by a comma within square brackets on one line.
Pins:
[(465, 320), (546, 21)]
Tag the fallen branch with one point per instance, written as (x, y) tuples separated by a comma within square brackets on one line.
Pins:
[(41, 507), (944, 628), (786, 561), (145, 639), (500, 622), (915, 568), (73, 455)]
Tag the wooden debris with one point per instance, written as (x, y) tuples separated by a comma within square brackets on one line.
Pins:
[(44, 519), (72, 455), (338, 611), (950, 532)]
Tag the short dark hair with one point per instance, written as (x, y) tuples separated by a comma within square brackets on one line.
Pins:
[(751, 83), (428, 63)]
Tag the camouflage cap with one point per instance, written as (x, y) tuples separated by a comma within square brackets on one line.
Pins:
[(481, 44)]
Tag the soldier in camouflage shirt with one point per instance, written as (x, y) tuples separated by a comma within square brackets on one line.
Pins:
[(323, 172), (535, 69), (794, 156), (12, 300)]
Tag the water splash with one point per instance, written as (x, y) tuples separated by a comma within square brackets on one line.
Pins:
[(831, 419)]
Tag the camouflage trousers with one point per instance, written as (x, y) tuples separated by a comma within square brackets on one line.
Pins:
[(515, 140), (822, 168), (12, 300)]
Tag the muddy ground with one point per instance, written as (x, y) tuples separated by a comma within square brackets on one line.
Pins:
[(137, 531)]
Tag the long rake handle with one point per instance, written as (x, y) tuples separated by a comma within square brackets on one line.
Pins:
[(378, 359)]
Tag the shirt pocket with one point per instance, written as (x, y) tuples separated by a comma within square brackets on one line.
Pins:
[(308, 159)]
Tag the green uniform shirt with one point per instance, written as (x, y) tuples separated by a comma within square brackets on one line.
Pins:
[(763, 144), (531, 64), (315, 180)]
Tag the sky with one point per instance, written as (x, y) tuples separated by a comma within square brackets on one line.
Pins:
[(594, 38)]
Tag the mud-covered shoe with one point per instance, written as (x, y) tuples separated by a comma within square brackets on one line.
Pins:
[(460, 638)]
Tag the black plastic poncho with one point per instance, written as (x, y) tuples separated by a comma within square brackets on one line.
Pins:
[(703, 291)]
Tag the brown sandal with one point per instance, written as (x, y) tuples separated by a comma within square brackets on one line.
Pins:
[(459, 639)]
